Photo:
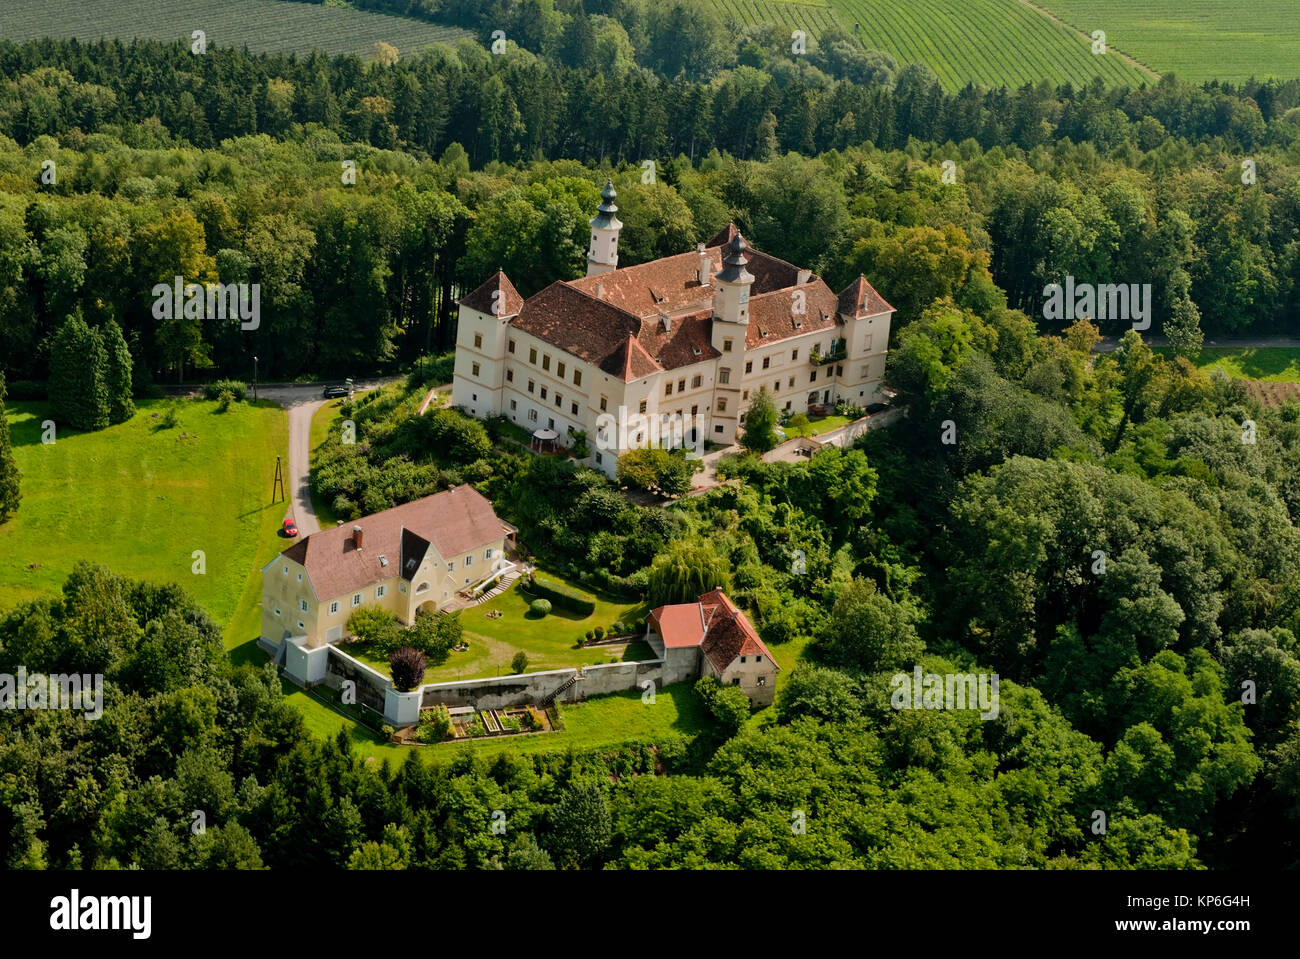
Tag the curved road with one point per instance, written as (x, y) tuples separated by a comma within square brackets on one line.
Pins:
[(302, 402)]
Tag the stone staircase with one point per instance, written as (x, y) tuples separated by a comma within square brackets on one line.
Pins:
[(560, 690), (503, 584)]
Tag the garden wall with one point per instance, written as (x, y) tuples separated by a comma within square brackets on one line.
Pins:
[(372, 688), (531, 688)]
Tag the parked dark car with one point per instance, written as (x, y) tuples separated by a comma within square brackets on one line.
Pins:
[(336, 390)]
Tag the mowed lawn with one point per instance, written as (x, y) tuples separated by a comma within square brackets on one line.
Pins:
[(141, 500), (548, 641), (1274, 364)]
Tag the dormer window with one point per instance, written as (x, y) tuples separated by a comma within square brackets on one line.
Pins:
[(697, 351), (383, 561)]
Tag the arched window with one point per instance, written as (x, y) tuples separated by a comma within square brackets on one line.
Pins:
[(423, 587)]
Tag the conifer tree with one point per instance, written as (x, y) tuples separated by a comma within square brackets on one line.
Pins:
[(78, 376), (120, 405)]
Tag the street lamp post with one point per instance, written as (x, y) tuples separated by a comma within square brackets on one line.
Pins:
[(254, 377)]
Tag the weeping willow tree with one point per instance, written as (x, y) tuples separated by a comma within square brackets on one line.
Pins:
[(687, 568)]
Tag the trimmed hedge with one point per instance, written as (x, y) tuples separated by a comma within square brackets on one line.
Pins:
[(561, 597)]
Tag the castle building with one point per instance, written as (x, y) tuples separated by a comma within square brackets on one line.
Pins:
[(692, 336)]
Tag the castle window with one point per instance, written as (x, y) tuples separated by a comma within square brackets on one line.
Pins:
[(791, 382), (334, 608), (794, 354), (722, 404), (513, 405), (603, 404), (573, 408), (543, 392), (478, 340), (559, 370), (668, 388), (557, 400), (681, 386), (546, 361), (532, 356), (812, 377), (511, 346), (641, 408), (577, 377), (726, 346), (356, 599), (510, 376), (532, 415), (749, 366), (718, 428), (724, 375), (696, 380), (473, 369), (767, 361)]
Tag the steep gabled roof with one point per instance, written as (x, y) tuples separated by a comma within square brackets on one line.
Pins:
[(724, 236), (774, 314), (728, 633), (687, 339), (577, 322), (714, 624), (482, 300), (454, 521), (630, 361), (861, 299)]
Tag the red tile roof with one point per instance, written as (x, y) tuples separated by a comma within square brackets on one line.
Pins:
[(861, 299), (714, 624), (454, 521), (680, 625), (481, 299), (773, 314), (728, 633), (615, 320)]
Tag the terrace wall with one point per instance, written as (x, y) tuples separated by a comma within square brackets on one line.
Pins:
[(526, 689)]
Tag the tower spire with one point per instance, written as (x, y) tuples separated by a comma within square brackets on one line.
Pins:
[(602, 255)]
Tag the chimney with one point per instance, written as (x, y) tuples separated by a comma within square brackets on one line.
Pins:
[(600, 291), (356, 536), (706, 266), (804, 277)]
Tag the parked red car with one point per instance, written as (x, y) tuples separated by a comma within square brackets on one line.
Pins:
[(290, 528)]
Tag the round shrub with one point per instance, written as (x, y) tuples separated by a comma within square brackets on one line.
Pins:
[(600, 632), (539, 607)]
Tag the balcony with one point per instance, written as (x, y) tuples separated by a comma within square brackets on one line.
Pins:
[(839, 352)]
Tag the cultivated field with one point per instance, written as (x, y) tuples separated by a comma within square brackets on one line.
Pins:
[(264, 26), (992, 42), (996, 42), (1196, 39)]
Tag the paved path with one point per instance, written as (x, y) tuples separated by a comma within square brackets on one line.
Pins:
[(302, 402)]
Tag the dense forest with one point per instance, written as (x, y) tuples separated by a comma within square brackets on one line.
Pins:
[(1113, 535), (125, 166)]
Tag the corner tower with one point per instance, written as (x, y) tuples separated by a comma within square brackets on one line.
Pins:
[(602, 255)]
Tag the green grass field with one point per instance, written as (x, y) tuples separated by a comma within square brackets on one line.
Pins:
[(140, 500), (992, 42), (1271, 364), (264, 26), (548, 641), (1196, 39)]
